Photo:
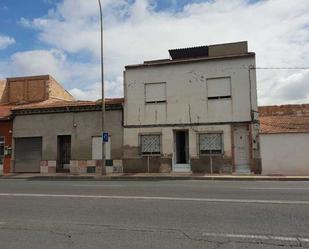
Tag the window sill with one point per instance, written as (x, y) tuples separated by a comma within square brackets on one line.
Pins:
[(155, 102), (151, 155), (211, 155)]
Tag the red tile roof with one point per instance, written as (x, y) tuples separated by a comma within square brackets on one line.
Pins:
[(284, 118), (52, 103)]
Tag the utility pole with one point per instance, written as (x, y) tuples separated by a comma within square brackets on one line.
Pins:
[(103, 172)]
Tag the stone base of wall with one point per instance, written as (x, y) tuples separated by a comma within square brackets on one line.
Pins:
[(256, 167), (94, 166), (153, 164), (48, 166), (220, 165)]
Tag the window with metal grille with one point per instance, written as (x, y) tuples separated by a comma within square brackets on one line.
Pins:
[(210, 143), (150, 144)]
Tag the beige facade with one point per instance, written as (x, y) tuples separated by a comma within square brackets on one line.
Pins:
[(181, 99)]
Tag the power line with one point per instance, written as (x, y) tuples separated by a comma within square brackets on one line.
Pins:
[(280, 68)]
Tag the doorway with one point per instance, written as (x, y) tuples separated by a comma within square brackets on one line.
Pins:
[(64, 153), (241, 149), (181, 151)]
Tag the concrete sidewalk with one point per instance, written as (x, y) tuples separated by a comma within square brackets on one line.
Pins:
[(153, 177)]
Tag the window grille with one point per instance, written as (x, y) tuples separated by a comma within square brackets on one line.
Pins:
[(150, 144), (210, 143)]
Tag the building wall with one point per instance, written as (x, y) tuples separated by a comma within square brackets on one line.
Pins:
[(134, 162), (285, 153), (187, 107), (27, 89), (6, 128), (186, 93), (82, 126), (57, 91), (32, 89)]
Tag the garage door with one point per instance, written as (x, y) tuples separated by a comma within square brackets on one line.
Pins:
[(28, 154)]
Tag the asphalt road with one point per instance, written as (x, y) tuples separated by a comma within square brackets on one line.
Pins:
[(153, 214)]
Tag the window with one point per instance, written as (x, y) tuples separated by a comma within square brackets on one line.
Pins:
[(1, 149), (210, 143), (219, 88), (150, 144), (155, 92)]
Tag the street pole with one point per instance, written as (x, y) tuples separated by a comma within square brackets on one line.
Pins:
[(103, 172)]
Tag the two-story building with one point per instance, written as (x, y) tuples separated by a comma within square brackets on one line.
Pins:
[(196, 111)]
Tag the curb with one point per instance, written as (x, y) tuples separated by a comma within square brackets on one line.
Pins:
[(155, 178)]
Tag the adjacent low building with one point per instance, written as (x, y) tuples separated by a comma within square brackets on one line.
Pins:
[(195, 112), (18, 91), (284, 139), (66, 137)]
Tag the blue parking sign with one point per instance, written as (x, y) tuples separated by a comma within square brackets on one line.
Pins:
[(105, 137)]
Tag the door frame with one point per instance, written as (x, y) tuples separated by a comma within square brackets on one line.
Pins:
[(248, 127), (59, 167), (174, 159)]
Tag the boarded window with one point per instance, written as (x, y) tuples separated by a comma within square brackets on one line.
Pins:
[(150, 144), (219, 88), (155, 92), (210, 143)]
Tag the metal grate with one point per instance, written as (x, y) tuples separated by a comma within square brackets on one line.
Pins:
[(150, 144), (211, 143)]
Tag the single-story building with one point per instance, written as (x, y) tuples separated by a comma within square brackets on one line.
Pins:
[(284, 139), (66, 136), (21, 90)]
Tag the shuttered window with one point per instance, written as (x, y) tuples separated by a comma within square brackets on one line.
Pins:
[(219, 88), (155, 92), (150, 144), (210, 143)]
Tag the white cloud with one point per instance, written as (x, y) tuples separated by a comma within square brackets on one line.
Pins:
[(39, 62), (135, 32), (6, 41), (93, 92)]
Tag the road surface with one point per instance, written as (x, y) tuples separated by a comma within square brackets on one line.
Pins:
[(153, 214)]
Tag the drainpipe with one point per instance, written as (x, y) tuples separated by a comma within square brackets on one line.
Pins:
[(250, 85)]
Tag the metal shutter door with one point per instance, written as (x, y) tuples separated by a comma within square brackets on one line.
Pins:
[(28, 154)]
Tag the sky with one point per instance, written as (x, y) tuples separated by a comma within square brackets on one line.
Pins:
[(62, 38)]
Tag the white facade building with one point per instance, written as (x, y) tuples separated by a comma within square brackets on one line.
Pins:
[(196, 111)]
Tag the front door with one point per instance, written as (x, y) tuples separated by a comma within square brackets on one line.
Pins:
[(241, 149), (1, 154), (181, 151), (64, 153)]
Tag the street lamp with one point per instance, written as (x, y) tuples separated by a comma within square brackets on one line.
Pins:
[(103, 172)]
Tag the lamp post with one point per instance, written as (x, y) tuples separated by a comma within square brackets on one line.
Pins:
[(103, 172)]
